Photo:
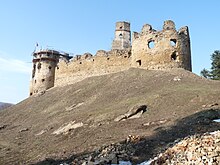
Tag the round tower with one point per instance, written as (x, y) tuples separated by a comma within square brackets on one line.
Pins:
[(122, 38), (43, 73)]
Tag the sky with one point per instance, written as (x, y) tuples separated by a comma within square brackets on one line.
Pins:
[(80, 26)]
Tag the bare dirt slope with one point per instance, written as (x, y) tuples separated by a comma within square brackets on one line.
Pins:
[(178, 102)]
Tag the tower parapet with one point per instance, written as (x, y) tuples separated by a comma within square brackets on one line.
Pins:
[(122, 38)]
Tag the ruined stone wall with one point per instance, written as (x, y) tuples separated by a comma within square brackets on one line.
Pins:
[(122, 38), (87, 65), (150, 49), (163, 49)]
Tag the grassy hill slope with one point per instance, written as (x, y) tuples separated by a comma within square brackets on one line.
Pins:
[(27, 129)]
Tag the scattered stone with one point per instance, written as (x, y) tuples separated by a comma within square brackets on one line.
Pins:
[(133, 138), (155, 122), (41, 132), (3, 126), (24, 130), (197, 149), (210, 105), (73, 106), (67, 128), (177, 78)]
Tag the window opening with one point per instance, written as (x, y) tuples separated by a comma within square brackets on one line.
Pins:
[(173, 42), (174, 56), (38, 65), (151, 44), (33, 71), (139, 62)]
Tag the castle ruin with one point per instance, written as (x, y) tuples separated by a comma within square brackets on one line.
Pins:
[(149, 49)]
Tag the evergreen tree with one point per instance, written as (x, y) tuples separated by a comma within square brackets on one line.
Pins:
[(214, 73)]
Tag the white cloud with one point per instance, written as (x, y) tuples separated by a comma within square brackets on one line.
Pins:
[(14, 65)]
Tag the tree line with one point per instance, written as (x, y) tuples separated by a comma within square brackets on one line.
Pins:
[(214, 72)]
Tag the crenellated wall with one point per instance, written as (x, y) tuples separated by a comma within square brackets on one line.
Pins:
[(150, 49), (88, 65)]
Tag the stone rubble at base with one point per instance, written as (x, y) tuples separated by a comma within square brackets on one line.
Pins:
[(196, 149)]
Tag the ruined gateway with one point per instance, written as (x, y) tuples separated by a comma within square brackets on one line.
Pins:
[(149, 49)]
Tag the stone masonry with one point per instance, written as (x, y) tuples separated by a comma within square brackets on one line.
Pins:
[(150, 49), (164, 49), (43, 72)]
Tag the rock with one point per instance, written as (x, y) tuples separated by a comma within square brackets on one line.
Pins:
[(210, 105), (24, 130), (155, 122), (133, 138), (67, 128), (177, 78), (41, 132), (197, 149), (84, 163), (3, 126), (134, 112), (121, 117)]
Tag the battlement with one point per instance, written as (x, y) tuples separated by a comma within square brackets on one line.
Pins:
[(150, 49), (87, 65)]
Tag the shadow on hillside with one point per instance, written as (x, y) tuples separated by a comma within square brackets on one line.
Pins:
[(147, 147)]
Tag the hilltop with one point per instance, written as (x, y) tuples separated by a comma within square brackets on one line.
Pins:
[(4, 105), (65, 123)]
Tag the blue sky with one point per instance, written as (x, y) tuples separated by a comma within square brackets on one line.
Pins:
[(79, 26)]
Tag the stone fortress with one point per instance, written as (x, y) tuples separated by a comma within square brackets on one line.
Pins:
[(149, 49)]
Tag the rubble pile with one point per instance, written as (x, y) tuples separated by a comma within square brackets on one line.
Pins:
[(197, 149)]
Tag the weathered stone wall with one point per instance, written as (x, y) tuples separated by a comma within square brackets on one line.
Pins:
[(150, 49), (164, 49), (87, 65)]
